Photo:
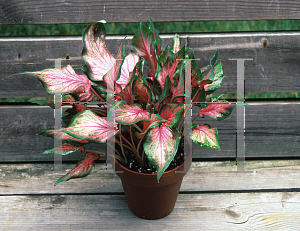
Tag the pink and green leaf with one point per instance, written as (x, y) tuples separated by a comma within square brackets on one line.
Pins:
[(65, 149), (128, 66), (98, 59), (169, 68), (69, 82), (156, 37), (129, 114), (143, 43), (60, 135), (205, 136), (141, 89), (172, 113), (83, 168), (87, 125), (217, 110), (176, 44), (160, 145), (154, 121)]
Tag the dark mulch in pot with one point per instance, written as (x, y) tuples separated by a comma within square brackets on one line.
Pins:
[(149, 168)]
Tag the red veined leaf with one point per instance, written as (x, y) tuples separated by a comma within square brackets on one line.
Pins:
[(154, 121), (87, 125), (196, 72), (70, 82), (129, 63), (178, 90), (169, 68), (143, 43), (129, 114), (156, 37), (205, 136), (115, 72), (165, 54), (128, 94), (160, 145), (172, 113), (83, 168), (65, 149), (176, 43), (215, 75), (98, 59), (141, 90), (60, 135), (217, 110)]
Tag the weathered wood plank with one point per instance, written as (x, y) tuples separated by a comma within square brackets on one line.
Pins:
[(247, 211), (274, 67), (45, 12), (202, 177), (272, 130)]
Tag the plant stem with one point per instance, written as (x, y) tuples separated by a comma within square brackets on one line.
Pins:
[(136, 150), (195, 118), (137, 127), (121, 144), (95, 151), (99, 97)]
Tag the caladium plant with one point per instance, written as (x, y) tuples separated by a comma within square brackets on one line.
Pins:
[(149, 103)]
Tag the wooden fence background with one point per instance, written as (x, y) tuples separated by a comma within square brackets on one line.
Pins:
[(213, 195)]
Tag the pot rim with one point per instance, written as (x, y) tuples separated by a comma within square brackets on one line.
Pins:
[(165, 174)]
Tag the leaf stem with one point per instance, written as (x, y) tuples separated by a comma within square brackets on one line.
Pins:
[(195, 118), (138, 128), (99, 97)]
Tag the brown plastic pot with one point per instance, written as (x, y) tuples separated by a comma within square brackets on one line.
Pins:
[(146, 197)]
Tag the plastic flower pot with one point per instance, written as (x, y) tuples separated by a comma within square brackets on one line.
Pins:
[(147, 198)]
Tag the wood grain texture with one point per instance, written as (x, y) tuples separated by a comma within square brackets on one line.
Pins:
[(202, 177), (58, 11), (272, 130), (246, 211), (273, 69)]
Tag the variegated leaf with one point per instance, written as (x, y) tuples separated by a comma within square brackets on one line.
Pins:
[(129, 63), (160, 145), (141, 89), (169, 68), (156, 37), (98, 59), (143, 43), (176, 43), (217, 110), (172, 113), (205, 136), (83, 168), (154, 121), (65, 149), (129, 114), (69, 82), (60, 135), (87, 125)]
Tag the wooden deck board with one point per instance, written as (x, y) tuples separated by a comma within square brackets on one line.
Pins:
[(45, 12), (202, 177), (273, 69), (218, 211)]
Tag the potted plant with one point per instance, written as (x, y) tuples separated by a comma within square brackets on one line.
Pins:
[(145, 118)]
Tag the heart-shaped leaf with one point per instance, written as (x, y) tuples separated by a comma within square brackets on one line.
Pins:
[(154, 121), (176, 44), (129, 63), (129, 114), (65, 149), (87, 125), (60, 135), (160, 145), (205, 136), (141, 89), (169, 68), (143, 43), (98, 59), (172, 113), (69, 82), (83, 168), (217, 110)]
